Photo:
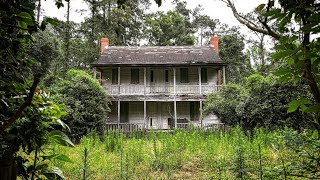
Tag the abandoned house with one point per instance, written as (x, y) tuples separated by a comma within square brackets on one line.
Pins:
[(161, 87)]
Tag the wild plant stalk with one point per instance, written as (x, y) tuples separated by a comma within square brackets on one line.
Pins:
[(127, 167), (121, 165), (85, 164), (284, 168), (260, 161)]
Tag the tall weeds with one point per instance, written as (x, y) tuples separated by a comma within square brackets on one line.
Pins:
[(183, 155)]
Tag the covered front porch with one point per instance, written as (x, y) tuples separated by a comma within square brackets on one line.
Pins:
[(137, 115)]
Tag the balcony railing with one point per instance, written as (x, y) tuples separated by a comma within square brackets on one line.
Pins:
[(137, 89)]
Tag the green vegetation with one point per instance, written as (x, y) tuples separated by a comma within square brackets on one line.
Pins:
[(190, 155), (86, 102), (260, 102)]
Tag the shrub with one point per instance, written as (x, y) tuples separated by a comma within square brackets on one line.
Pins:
[(86, 103)]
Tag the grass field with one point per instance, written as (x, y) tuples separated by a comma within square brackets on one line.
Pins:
[(183, 155)]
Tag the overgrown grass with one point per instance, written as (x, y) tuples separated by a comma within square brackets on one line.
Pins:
[(183, 155)]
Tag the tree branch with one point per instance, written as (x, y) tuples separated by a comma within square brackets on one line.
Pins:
[(247, 23), (28, 101)]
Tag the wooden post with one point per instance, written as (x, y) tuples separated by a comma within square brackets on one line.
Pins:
[(145, 79), (101, 72), (145, 113), (94, 73), (199, 72), (224, 75), (175, 112), (119, 80), (201, 114), (174, 81), (119, 114)]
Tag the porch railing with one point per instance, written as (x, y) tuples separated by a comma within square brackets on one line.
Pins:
[(124, 127), (137, 89), (131, 127)]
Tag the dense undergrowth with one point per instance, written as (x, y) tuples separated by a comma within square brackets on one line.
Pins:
[(194, 154)]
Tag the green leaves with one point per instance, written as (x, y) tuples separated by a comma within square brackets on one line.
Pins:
[(295, 104), (260, 7), (60, 157), (27, 18), (52, 173), (59, 138)]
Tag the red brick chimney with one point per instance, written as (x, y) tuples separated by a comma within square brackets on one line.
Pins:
[(104, 44), (215, 43)]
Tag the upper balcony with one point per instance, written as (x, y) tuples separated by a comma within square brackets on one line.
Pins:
[(170, 81), (134, 89)]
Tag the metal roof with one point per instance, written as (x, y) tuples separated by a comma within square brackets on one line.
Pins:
[(158, 55)]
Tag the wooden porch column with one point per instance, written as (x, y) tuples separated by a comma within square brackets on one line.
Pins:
[(145, 113), (145, 79), (94, 73), (101, 72), (224, 75), (175, 112), (201, 114), (174, 81), (119, 114), (119, 80), (199, 73)]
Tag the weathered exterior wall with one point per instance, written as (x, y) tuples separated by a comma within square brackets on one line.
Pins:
[(160, 112)]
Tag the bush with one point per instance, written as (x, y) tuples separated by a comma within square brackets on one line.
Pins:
[(259, 103), (86, 103)]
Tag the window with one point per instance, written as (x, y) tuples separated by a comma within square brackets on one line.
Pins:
[(204, 75), (151, 76), (184, 75), (115, 76), (134, 76), (167, 75)]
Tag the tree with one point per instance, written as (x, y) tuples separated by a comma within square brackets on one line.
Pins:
[(294, 46), (231, 47), (167, 30), (86, 102)]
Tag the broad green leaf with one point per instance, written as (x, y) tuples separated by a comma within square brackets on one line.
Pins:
[(60, 157), (283, 54), (260, 7), (60, 138), (53, 171), (52, 21), (315, 134), (273, 12), (313, 109), (64, 158), (26, 17), (293, 106), (64, 125)]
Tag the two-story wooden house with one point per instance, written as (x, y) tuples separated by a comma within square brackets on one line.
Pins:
[(159, 87)]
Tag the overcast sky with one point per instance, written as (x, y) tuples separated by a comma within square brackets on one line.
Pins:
[(214, 8)]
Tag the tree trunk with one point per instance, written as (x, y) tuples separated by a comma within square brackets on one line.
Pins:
[(8, 168)]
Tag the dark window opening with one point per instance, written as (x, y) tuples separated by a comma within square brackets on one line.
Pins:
[(134, 76), (150, 121), (184, 75), (194, 111), (167, 75), (114, 76), (151, 76), (204, 75), (124, 112)]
